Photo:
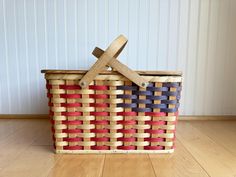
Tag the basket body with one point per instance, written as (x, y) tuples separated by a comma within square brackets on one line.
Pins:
[(113, 114)]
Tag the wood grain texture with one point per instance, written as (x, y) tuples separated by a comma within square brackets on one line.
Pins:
[(179, 164), (218, 133), (79, 166), (204, 148), (214, 158), (128, 165)]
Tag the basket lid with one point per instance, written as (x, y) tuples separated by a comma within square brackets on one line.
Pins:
[(143, 73)]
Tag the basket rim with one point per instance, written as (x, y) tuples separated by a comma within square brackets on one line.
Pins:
[(142, 73)]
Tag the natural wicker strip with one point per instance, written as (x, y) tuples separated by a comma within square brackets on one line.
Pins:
[(112, 78), (140, 144), (88, 100), (113, 144), (141, 135), (114, 135), (56, 86), (59, 118), (100, 128)]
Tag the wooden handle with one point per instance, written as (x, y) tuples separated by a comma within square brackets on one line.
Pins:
[(113, 50), (123, 69)]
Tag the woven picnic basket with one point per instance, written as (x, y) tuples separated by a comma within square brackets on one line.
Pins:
[(116, 111)]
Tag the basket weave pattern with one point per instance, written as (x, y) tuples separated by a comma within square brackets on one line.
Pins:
[(113, 114)]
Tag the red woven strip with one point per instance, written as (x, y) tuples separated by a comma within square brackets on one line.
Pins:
[(67, 104), (100, 105), (70, 95), (127, 147), (98, 96), (72, 139), (49, 95), (70, 87), (127, 122), (157, 114), (100, 139), (155, 122), (71, 104), (73, 147), (72, 122), (100, 147), (126, 131), (153, 147), (99, 113), (98, 87), (48, 86), (154, 131), (99, 130), (71, 131), (127, 113), (130, 139), (154, 139), (100, 122), (71, 113)]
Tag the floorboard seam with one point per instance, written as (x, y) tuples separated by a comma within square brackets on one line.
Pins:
[(152, 166), (60, 156), (194, 157), (212, 139), (104, 161)]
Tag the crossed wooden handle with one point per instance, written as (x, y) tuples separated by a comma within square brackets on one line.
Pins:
[(109, 57)]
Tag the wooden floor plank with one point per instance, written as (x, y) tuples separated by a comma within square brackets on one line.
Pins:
[(46, 135), (121, 165), (11, 126), (179, 164), (214, 158), (78, 166), (35, 161), (222, 132), (16, 143), (203, 148)]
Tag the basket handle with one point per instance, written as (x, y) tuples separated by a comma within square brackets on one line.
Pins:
[(109, 57), (113, 50), (123, 69)]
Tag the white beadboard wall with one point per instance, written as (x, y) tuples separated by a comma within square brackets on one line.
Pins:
[(195, 36)]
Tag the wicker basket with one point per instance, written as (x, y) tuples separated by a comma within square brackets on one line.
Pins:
[(119, 111)]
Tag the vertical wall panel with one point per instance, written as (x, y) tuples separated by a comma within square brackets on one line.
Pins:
[(192, 49), (195, 36), (201, 65)]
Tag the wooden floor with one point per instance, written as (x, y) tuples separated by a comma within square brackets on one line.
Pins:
[(204, 148)]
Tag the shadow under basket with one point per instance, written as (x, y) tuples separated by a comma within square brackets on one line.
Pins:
[(112, 114)]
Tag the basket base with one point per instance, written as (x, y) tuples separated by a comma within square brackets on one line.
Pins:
[(113, 151)]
